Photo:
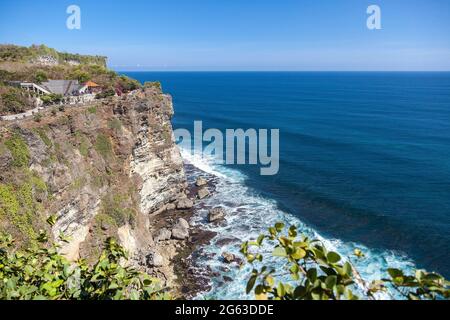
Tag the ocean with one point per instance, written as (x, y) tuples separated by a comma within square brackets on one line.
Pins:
[(364, 160)]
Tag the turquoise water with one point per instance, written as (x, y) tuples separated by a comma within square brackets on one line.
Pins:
[(364, 157)]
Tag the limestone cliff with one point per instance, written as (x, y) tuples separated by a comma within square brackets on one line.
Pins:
[(103, 170)]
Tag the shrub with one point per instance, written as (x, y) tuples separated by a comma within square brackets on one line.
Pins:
[(92, 110), (80, 75), (41, 273), (14, 101), (41, 133), (40, 76), (155, 84), (37, 117), (19, 206), (52, 98), (127, 84), (83, 146), (115, 206), (109, 92), (8, 201), (319, 274), (6, 76), (13, 53), (46, 99)]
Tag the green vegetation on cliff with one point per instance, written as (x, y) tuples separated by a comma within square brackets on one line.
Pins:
[(103, 146), (20, 203), (19, 150), (41, 273), (13, 100), (115, 207)]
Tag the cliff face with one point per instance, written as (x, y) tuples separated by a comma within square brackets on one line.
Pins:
[(103, 170)]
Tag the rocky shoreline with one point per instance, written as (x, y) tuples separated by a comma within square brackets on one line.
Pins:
[(178, 246), (168, 258)]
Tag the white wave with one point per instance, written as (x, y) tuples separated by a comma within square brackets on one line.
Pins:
[(207, 164)]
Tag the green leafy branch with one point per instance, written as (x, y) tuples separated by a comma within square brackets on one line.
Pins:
[(320, 274), (41, 273)]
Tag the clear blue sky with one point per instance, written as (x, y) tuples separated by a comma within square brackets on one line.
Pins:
[(240, 34)]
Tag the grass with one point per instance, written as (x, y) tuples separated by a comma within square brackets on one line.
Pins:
[(92, 110), (9, 205), (38, 183), (3, 149), (115, 124), (19, 205), (84, 145), (155, 84), (103, 146), (41, 133), (78, 183), (103, 219), (114, 206)]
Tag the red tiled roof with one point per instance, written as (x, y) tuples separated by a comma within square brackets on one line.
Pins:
[(91, 84)]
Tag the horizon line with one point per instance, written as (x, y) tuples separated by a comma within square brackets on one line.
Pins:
[(305, 71)]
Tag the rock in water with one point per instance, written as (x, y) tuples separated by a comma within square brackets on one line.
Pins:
[(154, 259), (181, 230), (216, 214), (184, 204), (228, 257), (201, 182), (203, 193), (163, 235)]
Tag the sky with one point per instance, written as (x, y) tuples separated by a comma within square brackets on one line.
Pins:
[(247, 35)]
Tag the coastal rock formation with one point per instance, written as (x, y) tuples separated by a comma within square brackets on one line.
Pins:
[(155, 159), (103, 169)]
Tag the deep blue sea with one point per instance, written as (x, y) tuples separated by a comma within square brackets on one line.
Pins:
[(364, 157)]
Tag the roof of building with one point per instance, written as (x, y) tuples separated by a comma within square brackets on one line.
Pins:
[(91, 84), (63, 87)]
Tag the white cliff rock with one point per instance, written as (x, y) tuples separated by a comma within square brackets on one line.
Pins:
[(181, 230)]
